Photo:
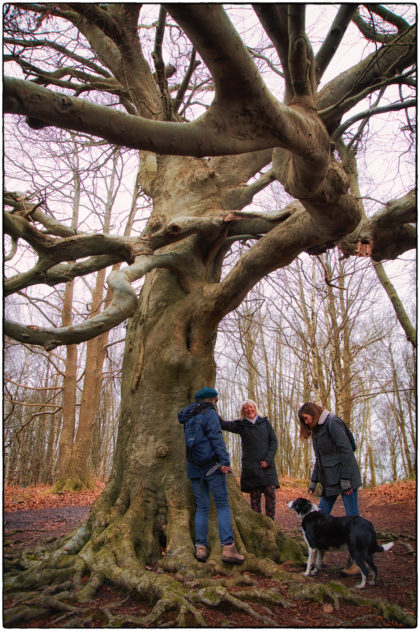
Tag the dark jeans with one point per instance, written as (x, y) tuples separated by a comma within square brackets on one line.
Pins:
[(216, 483), (350, 503)]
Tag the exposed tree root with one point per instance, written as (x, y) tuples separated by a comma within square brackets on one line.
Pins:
[(145, 548), (65, 583), (337, 593)]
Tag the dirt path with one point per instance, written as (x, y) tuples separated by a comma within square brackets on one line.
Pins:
[(393, 514)]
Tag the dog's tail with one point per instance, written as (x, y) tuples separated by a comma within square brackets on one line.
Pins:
[(385, 547)]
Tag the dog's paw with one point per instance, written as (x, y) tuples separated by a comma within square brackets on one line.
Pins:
[(314, 571), (307, 573)]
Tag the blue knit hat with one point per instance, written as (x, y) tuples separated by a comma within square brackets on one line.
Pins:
[(206, 393)]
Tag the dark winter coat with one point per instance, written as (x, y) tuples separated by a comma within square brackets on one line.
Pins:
[(335, 463), (259, 442), (212, 444)]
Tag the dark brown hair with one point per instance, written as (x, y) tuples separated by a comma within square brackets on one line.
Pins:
[(313, 410)]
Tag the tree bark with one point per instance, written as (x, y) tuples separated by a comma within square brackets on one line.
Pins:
[(69, 390)]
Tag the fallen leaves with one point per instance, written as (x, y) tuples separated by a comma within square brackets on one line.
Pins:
[(38, 497), (17, 499), (400, 491)]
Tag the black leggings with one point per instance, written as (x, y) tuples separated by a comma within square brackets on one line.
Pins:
[(270, 500)]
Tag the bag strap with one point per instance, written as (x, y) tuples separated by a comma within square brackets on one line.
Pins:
[(346, 428)]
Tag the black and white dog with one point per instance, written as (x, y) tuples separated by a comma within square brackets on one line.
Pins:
[(322, 531)]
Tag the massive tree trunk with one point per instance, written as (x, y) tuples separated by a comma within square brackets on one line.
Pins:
[(144, 519)]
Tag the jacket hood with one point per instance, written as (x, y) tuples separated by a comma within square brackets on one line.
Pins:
[(193, 409)]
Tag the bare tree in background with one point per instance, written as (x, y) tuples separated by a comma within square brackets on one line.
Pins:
[(201, 166)]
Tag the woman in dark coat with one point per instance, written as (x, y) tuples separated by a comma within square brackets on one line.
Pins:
[(259, 446), (336, 468)]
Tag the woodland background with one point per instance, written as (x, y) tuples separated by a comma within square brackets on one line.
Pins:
[(325, 325)]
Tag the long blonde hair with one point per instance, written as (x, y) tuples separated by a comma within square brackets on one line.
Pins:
[(241, 411)]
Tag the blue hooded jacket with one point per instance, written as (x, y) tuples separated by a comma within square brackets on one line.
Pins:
[(210, 440)]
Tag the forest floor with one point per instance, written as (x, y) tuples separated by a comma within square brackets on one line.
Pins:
[(33, 515)]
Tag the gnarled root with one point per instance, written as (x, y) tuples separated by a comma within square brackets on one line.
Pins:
[(337, 593), (150, 555)]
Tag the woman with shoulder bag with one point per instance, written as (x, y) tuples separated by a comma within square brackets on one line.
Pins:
[(336, 468)]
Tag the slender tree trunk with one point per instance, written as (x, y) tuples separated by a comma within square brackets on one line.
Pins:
[(69, 390), (369, 448), (78, 475), (75, 473), (248, 341), (398, 410), (70, 373)]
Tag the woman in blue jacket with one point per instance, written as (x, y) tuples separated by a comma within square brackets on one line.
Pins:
[(207, 465)]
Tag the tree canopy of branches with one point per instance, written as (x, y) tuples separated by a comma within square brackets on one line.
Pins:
[(215, 119)]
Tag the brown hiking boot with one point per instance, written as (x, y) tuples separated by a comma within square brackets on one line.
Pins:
[(230, 554), (202, 553), (353, 570)]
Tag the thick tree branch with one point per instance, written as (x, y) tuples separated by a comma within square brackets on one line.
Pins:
[(160, 65), (301, 58), (102, 18), (273, 17), (10, 255), (337, 96), (50, 108), (222, 50), (297, 233), (388, 16), (332, 40), (388, 232), (276, 249), (67, 248), (26, 208), (122, 306), (60, 273), (370, 32), (218, 132)]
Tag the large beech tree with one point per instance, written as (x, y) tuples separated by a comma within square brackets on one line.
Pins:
[(87, 68)]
